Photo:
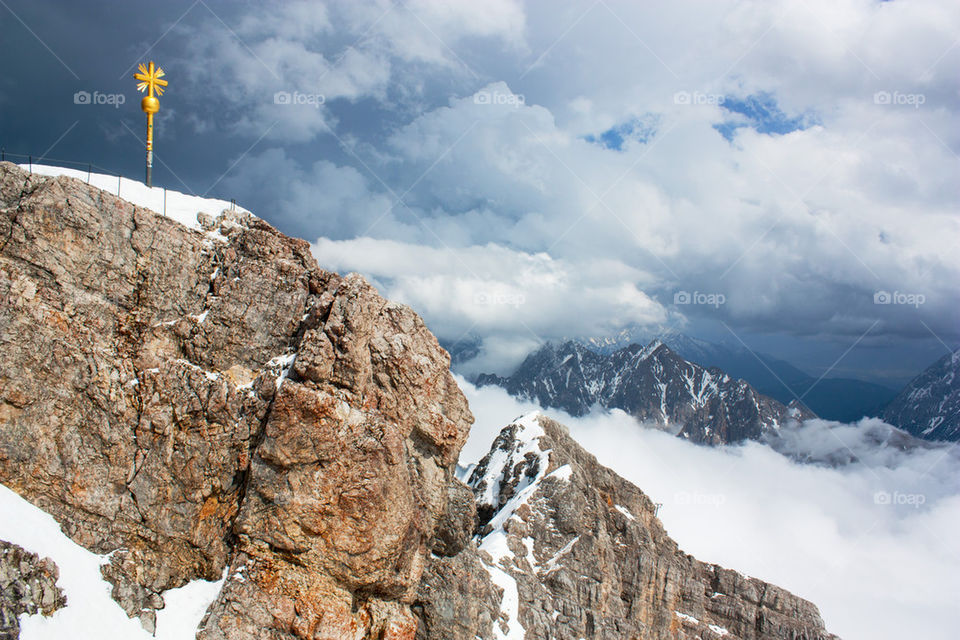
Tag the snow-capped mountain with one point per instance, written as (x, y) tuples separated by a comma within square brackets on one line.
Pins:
[(841, 399), (653, 384), (929, 407)]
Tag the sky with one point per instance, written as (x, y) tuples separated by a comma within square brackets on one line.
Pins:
[(872, 544), (776, 174)]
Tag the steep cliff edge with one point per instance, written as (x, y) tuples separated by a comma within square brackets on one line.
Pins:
[(579, 553), (210, 403), (191, 401)]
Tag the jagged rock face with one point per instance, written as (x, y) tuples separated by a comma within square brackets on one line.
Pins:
[(200, 401), (583, 553), (28, 585), (457, 599), (652, 384), (929, 407)]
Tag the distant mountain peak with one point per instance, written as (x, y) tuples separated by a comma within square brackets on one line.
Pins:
[(929, 407), (653, 347), (653, 384), (841, 399)]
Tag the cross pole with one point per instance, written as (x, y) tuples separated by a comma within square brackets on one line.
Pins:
[(150, 77)]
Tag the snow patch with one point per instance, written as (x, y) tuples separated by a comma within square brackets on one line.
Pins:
[(91, 614), (686, 618), (509, 605), (625, 512), (284, 363), (185, 607), (562, 473), (551, 564)]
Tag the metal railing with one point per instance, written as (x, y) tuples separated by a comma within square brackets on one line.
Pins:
[(89, 166)]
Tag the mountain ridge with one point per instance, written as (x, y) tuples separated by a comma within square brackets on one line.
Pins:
[(557, 531), (929, 406), (210, 404), (841, 399), (653, 384), (832, 398)]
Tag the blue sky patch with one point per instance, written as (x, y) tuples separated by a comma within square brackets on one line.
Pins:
[(640, 129), (761, 112)]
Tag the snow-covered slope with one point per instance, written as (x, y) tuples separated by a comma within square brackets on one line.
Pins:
[(178, 206), (90, 611), (497, 470)]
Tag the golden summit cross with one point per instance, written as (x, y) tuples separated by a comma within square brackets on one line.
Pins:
[(151, 81)]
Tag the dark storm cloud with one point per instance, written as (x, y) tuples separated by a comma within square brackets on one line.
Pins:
[(824, 207)]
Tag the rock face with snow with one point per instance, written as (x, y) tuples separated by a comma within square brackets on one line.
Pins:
[(652, 384), (194, 401), (578, 552), (28, 584), (209, 403), (929, 407)]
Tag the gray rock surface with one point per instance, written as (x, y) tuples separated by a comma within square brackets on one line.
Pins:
[(457, 600), (588, 557), (28, 584)]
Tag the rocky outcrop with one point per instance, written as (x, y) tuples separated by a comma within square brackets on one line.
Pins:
[(458, 600), (578, 552), (202, 401), (28, 585), (929, 407), (207, 403), (653, 384)]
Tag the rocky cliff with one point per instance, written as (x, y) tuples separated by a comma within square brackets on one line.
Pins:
[(28, 584), (200, 401), (579, 553), (210, 403)]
